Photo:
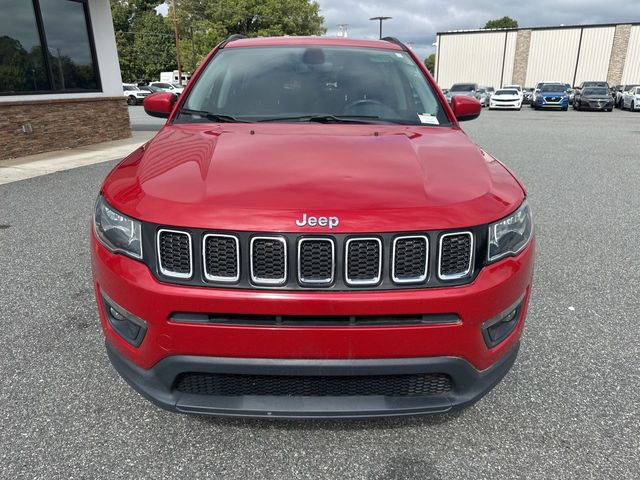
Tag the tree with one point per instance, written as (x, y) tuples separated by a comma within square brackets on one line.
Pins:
[(145, 41), (504, 22), (202, 23), (430, 62)]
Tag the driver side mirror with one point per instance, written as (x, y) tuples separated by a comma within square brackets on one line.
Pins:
[(160, 104), (465, 108)]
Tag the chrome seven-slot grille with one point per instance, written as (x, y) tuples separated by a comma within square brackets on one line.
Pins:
[(322, 262)]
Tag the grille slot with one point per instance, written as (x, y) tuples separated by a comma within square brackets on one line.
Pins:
[(410, 257), (268, 260), (316, 261), (233, 385), (175, 258), (456, 253), (363, 261), (221, 254)]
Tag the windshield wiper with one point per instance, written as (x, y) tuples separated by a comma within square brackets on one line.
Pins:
[(365, 119), (214, 117)]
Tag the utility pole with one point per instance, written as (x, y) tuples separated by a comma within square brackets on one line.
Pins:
[(175, 27), (381, 19)]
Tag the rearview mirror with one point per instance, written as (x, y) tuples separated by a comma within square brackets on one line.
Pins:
[(466, 108), (160, 104)]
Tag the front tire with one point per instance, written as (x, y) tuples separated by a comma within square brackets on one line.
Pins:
[(131, 101)]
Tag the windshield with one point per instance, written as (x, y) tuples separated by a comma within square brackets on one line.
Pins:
[(129, 88), (596, 91), (552, 88), (176, 85), (507, 92), (596, 84), (628, 88), (463, 87), (294, 83)]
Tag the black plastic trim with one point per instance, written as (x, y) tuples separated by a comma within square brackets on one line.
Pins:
[(232, 38), (157, 384), (395, 41)]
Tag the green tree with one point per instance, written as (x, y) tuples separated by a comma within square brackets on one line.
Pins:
[(504, 22), (430, 62), (202, 23), (145, 41)]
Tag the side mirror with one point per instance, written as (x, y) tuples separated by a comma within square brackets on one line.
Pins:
[(465, 108), (159, 104)]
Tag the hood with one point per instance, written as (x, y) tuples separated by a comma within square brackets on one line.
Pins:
[(461, 94), (263, 177), (559, 93)]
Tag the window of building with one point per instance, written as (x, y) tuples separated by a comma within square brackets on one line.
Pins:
[(46, 46)]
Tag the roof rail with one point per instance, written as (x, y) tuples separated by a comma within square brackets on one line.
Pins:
[(396, 41), (232, 38)]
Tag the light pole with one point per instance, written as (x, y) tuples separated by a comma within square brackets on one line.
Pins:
[(381, 19), (175, 27)]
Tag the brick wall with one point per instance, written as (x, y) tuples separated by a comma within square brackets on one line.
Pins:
[(521, 60), (618, 54), (61, 124)]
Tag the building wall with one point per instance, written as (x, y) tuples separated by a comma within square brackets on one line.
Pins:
[(31, 124), (476, 58), (552, 56), (631, 71), (567, 54)]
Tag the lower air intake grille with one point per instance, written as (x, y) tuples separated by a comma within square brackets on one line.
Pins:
[(221, 260), (455, 255), (414, 385), (268, 260), (363, 261), (174, 253)]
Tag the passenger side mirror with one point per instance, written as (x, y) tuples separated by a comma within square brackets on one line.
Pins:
[(466, 108), (159, 104)]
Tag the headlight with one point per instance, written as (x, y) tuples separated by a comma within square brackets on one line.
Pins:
[(511, 234), (116, 231)]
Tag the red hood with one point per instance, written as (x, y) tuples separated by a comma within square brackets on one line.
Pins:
[(263, 177)]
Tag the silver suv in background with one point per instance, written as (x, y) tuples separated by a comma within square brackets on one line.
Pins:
[(464, 90)]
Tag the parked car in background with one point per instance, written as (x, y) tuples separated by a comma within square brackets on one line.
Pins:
[(484, 97), (133, 93), (536, 90), (527, 96), (151, 88), (552, 95), (631, 99), (463, 90), (489, 89), (514, 87), (506, 99), (619, 93), (583, 85), (169, 87), (571, 92), (594, 98)]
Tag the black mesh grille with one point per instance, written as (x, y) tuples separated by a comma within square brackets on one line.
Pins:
[(363, 261), (414, 385), (456, 254), (221, 257), (316, 261), (410, 259), (175, 254), (268, 260)]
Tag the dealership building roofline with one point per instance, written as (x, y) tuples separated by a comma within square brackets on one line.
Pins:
[(550, 27)]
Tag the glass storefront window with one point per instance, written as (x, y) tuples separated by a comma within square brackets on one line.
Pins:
[(21, 63), (46, 47)]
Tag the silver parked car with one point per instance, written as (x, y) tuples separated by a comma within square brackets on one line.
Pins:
[(463, 89)]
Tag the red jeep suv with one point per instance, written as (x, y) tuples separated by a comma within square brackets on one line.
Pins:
[(311, 234)]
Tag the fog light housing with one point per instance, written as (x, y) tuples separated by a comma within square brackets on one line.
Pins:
[(130, 327), (501, 326)]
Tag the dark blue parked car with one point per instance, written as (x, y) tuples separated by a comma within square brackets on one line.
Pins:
[(552, 96)]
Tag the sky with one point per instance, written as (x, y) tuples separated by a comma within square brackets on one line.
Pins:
[(416, 22)]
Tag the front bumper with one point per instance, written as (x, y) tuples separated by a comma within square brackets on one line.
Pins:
[(505, 105), (170, 348), (158, 385), (544, 104)]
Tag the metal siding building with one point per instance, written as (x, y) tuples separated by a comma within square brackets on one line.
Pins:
[(525, 56)]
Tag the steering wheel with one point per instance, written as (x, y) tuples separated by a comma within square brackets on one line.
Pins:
[(359, 104)]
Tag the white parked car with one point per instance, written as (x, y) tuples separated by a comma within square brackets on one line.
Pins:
[(517, 88), (631, 99), (133, 94), (169, 87), (506, 99)]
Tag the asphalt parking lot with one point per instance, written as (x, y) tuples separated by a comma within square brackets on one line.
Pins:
[(570, 408)]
